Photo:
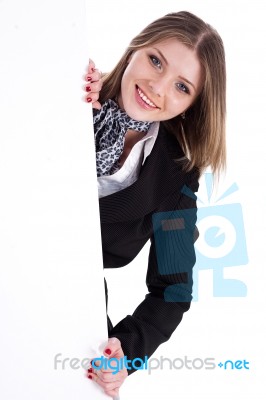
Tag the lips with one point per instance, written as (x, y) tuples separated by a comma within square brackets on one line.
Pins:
[(144, 101)]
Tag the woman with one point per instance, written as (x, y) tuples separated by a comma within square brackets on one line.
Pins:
[(159, 122)]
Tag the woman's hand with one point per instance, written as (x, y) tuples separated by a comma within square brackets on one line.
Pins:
[(106, 378), (93, 85)]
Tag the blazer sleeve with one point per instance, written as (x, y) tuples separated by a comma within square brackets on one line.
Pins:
[(169, 280)]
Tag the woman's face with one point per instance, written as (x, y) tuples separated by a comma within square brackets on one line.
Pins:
[(160, 81)]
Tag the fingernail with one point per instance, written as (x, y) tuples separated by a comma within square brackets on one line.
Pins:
[(90, 370), (89, 99), (89, 78), (108, 351), (88, 89), (89, 376)]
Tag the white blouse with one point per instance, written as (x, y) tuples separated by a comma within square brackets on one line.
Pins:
[(129, 171)]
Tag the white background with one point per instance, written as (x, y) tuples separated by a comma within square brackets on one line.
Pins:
[(43, 151), (223, 328)]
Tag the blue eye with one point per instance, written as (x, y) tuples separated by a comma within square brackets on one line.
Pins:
[(155, 61), (182, 88)]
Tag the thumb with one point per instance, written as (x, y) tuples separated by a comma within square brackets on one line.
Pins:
[(113, 347)]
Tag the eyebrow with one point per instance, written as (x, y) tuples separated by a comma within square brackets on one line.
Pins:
[(161, 54), (181, 77), (186, 80)]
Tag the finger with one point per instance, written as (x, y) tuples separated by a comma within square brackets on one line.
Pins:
[(114, 370), (92, 98), (108, 386), (94, 76), (94, 377), (109, 371), (109, 376), (113, 347), (93, 87), (91, 66), (103, 376), (94, 363), (105, 385), (96, 105)]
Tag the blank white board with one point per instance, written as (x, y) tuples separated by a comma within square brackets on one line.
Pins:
[(51, 274)]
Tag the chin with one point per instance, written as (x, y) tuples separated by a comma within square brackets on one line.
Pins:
[(137, 115)]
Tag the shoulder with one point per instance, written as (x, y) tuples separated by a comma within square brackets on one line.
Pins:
[(171, 143)]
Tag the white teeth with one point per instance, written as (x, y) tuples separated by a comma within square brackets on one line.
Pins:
[(142, 95)]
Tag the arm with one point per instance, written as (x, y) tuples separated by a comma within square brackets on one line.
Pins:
[(169, 281)]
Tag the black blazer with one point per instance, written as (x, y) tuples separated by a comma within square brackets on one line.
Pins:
[(127, 223)]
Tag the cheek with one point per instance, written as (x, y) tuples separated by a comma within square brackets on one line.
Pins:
[(129, 72), (175, 106), (128, 88), (126, 79), (124, 88), (127, 95)]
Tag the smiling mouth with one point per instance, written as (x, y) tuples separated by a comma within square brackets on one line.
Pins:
[(145, 99)]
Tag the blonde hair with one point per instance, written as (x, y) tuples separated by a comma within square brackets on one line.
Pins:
[(202, 133)]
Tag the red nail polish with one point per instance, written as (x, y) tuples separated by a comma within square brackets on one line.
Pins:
[(89, 78), (90, 377), (108, 351), (90, 370), (88, 89), (89, 99)]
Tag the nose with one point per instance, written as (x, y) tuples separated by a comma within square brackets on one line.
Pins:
[(158, 87)]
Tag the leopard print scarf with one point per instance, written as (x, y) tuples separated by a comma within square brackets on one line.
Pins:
[(110, 127)]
